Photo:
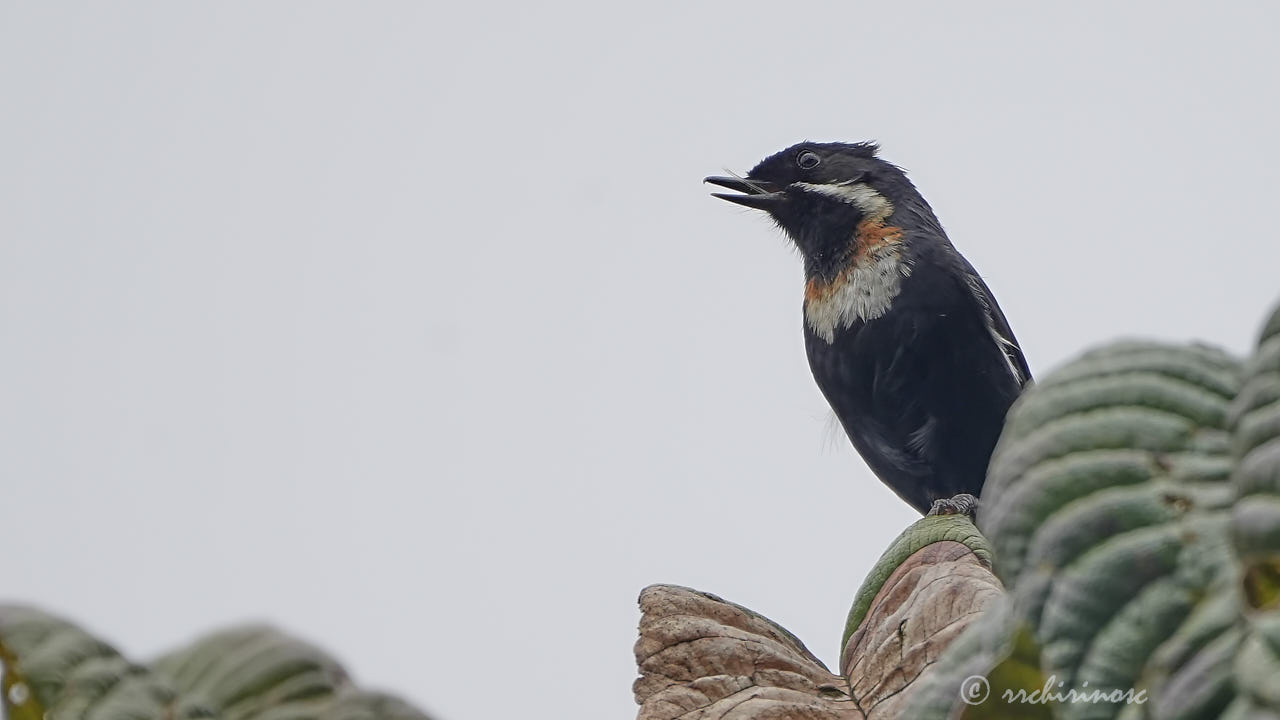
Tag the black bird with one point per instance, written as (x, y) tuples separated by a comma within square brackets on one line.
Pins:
[(904, 338)]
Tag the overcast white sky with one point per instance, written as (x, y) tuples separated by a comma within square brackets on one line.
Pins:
[(411, 328)]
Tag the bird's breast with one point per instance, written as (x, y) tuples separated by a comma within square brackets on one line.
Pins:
[(865, 288)]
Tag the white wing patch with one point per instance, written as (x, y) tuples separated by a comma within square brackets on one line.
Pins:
[(1003, 343)]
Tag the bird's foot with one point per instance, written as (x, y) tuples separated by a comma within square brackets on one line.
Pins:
[(962, 504)]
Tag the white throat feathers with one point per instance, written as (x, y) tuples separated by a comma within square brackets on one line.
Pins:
[(866, 288)]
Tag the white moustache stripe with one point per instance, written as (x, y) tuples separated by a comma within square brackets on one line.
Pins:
[(860, 195)]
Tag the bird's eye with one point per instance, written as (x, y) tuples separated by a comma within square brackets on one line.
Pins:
[(808, 159)]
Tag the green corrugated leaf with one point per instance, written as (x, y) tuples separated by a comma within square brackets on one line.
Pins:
[(244, 672), (59, 671), (1133, 505), (55, 671), (923, 532), (1108, 506)]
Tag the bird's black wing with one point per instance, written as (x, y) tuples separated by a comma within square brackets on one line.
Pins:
[(999, 326), (922, 391)]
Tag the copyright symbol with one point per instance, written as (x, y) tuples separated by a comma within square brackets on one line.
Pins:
[(974, 690)]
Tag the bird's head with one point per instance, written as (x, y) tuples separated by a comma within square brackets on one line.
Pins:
[(832, 199)]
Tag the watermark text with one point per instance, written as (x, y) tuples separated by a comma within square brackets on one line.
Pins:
[(976, 689)]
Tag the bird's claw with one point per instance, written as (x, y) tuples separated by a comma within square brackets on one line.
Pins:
[(962, 504)]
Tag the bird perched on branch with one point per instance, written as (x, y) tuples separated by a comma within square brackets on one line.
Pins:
[(904, 338)]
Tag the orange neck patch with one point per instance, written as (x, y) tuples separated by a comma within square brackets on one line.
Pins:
[(868, 238)]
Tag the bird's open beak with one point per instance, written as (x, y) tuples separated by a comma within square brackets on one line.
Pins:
[(756, 194)]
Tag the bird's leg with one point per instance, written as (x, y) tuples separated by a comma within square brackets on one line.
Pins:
[(962, 504)]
